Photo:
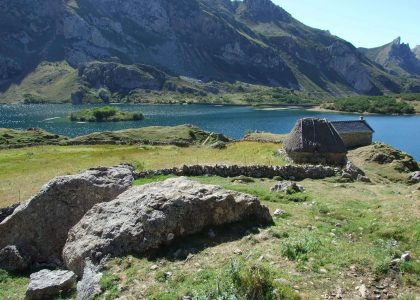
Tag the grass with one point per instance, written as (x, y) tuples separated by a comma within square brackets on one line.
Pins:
[(24, 171), (12, 286), (10, 138), (335, 236), (105, 114)]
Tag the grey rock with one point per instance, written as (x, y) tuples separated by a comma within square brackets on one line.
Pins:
[(352, 172), (89, 287), (287, 186), (47, 284), (218, 145), (415, 177), (7, 211), (140, 220), (279, 212), (406, 256), (12, 260), (40, 227)]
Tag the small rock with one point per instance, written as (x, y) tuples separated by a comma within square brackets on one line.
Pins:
[(237, 251), (363, 291), (287, 187), (170, 236), (279, 212), (154, 267), (11, 260), (323, 271), (415, 177), (211, 234), (89, 287), (406, 256), (218, 145), (47, 284)]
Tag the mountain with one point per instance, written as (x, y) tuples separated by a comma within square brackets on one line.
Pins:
[(396, 57), (251, 41), (416, 51)]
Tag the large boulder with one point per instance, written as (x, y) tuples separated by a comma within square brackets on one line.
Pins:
[(147, 217), (47, 284), (7, 211), (40, 227)]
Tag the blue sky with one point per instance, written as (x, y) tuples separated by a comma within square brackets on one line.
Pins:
[(365, 23)]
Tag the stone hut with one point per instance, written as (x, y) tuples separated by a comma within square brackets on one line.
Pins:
[(354, 134), (315, 141)]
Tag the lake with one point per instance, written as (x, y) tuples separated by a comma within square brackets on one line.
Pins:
[(402, 132)]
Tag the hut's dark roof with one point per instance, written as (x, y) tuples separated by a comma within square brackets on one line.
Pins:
[(314, 135), (352, 126)]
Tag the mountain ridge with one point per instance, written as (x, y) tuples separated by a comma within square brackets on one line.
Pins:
[(251, 41)]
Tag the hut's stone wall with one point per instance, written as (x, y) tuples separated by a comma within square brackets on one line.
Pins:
[(318, 158), (357, 139)]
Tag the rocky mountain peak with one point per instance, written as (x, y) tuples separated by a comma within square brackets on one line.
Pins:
[(416, 51), (263, 11)]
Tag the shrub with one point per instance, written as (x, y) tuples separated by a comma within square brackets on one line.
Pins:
[(298, 247)]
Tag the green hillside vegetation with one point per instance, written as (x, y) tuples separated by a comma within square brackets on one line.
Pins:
[(322, 244), (11, 138), (181, 135), (105, 114), (48, 83), (372, 104)]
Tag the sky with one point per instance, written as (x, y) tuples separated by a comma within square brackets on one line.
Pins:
[(364, 23)]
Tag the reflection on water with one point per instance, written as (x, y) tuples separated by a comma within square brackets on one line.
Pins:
[(400, 131)]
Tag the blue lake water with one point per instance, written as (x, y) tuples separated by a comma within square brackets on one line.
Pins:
[(402, 132)]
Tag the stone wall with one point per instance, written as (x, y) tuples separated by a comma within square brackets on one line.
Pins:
[(289, 172), (354, 140), (318, 158)]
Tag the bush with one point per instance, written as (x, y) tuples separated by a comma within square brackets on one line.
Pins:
[(298, 247), (372, 104), (256, 282)]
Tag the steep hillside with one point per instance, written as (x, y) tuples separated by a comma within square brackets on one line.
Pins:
[(396, 57), (253, 41)]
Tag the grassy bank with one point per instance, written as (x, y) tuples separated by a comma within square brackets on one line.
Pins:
[(10, 138), (182, 135)]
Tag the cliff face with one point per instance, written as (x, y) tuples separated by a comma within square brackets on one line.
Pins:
[(252, 41), (396, 57)]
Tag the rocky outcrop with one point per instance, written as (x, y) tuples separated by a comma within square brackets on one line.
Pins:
[(147, 217), (415, 177), (121, 78), (288, 172), (384, 154), (396, 57), (40, 227), (287, 187), (352, 172), (47, 284)]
